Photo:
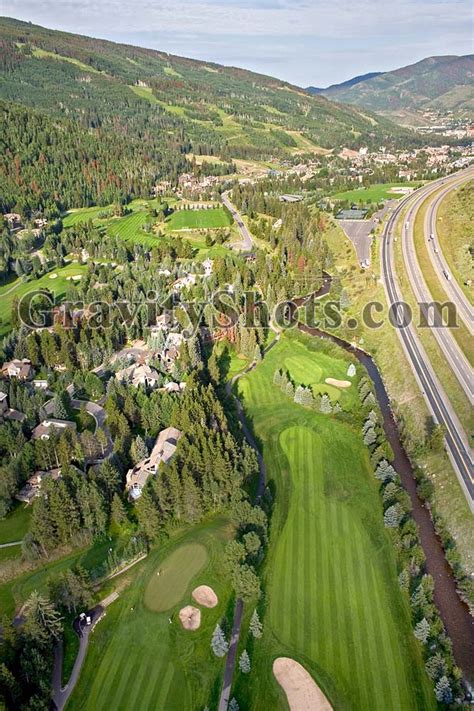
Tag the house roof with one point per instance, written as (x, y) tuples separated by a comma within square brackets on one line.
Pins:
[(47, 427), (165, 447)]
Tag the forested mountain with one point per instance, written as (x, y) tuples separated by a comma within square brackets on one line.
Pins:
[(443, 83), (163, 107), (344, 85)]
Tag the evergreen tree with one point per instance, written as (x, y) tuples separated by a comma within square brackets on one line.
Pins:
[(218, 642), (351, 371), (233, 705), (138, 450), (443, 690), (244, 662), (118, 513), (255, 626), (370, 437), (325, 406), (277, 376), (392, 516), (422, 630), (257, 354), (385, 472), (42, 623)]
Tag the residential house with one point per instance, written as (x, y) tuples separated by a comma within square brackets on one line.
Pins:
[(33, 486), (51, 426), (20, 369), (207, 266), (163, 450), (139, 374), (3, 404), (13, 220)]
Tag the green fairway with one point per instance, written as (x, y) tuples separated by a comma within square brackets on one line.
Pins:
[(374, 193), (198, 219), (83, 214), (57, 281), (129, 228), (169, 583), (332, 596), (136, 658), (14, 526)]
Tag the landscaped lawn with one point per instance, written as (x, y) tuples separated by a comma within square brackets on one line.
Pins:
[(331, 590), (56, 284), (198, 219), (374, 193), (14, 592), (137, 659), (14, 526)]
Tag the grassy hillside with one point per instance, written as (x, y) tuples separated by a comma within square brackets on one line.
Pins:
[(333, 601), (454, 229), (202, 107), (435, 82)]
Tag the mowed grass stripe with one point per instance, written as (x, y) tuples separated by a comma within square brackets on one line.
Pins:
[(371, 635), (118, 695), (147, 670), (107, 676), (160, 690)]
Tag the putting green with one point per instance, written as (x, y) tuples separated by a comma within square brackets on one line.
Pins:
[(303, 369), (169, 583)]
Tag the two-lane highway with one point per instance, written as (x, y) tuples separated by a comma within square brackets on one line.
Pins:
[(453, 354), (435, 396), (246, 244)]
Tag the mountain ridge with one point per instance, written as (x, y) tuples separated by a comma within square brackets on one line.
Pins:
[(438, 82)]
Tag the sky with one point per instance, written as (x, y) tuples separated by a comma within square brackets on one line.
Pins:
[(306, 42)]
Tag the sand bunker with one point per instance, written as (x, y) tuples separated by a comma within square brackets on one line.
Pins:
[(302, 692), (53, 276), (338, 383), (205, 596), (190, 617)]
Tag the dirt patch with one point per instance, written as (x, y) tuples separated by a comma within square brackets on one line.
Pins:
[(302, 692), (190, 617), (338, 383), (205, 596)]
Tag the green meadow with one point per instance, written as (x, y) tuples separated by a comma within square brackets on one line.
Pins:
[(332, 600), (374, 193), (137, 658)]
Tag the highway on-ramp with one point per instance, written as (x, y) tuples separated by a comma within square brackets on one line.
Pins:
[(438, 403), (438, 260)]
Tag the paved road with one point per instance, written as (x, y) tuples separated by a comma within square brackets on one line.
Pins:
[(231, 656), (95, 410), (61, 693), (437, 400), (246, 243), (440, 265), (358, 231), (443, 335)]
